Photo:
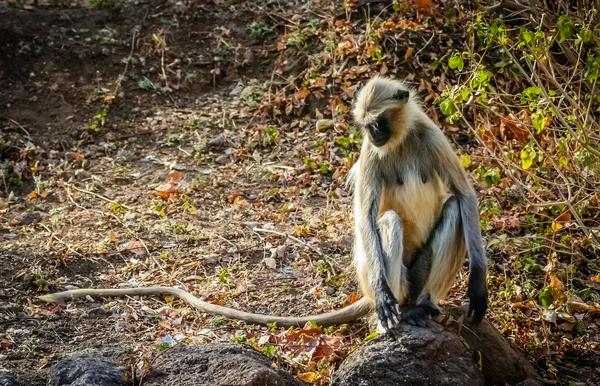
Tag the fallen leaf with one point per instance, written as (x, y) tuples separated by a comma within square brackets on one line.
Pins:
[(565, 216), (309, 377), (134, 246), (175, 175), (352, 297), (556, 226), (408, 53)]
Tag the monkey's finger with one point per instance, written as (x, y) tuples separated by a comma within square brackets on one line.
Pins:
[(421, 322), (471, 309)]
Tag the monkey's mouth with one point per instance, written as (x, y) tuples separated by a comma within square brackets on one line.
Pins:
[(378, 137)]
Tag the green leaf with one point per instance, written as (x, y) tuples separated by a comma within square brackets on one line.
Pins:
[(456, 61), (545, 297), (465, 161), (447, 107), (526, 158), (539, 120), (371, 336)]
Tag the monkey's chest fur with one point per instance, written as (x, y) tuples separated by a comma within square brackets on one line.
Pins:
[(418, 200)]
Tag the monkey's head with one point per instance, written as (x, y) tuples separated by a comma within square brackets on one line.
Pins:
[(381, 109)]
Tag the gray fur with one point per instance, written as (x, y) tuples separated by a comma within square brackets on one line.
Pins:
[(417, 153)]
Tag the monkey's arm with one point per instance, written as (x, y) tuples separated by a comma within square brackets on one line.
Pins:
[(368, 196), (448, 167), (477, 289), (344, 315)]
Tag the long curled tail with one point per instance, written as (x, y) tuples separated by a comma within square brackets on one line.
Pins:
[(345, 315)]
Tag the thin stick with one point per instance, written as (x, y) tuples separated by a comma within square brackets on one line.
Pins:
[(426, 44), (53, 236), (21, 127), (98, 196)]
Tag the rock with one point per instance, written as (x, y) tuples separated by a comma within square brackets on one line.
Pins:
[(7, 379), (82, 174), (30, 218), (105, 52), (419, 356), (239, 87), (215, 365), (500, 363), (217, 141), (84, 370), (346, 242), (124, 155), (281, 250), (269, 262), (324, 124)]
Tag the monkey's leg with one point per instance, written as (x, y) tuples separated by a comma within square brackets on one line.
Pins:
[(435, 266), (391, 230), (448, 252)]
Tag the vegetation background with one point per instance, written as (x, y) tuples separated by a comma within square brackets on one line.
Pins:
[(205, 144)]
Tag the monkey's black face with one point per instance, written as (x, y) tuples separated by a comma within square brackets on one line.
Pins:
[(379, 131)]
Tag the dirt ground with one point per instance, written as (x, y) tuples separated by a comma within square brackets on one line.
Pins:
[(139, 152), (96, 216)]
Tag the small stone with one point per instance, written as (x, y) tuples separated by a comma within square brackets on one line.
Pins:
[(82, 174), (211, 259), (270, 263), (346, 242), (223, 159), (330, 291), (105, 52), (121, 326), (216, 141), (30, 218), (237, 89), (324, 124), (280, 251), (9, 236), (124, 155)]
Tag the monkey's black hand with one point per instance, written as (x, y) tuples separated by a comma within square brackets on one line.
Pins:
[(419, 315), (387, 308), (478, 295)]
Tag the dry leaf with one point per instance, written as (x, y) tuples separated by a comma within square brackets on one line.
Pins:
[(408, 53), (556, 226), (134, 246), (309, 377), (352, 297)]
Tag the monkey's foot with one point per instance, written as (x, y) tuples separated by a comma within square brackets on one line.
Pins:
[(388, 311), (419, 315)]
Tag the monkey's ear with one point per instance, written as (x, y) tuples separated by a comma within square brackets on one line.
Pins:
[(401, 95)]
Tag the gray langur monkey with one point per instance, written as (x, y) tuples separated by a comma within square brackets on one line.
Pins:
[(416, 215)]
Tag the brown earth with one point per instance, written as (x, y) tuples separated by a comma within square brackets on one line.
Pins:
[(79, 206)]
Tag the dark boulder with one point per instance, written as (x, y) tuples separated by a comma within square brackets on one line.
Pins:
[(84, 370), (413, 356), (215, 365), (8, 379)]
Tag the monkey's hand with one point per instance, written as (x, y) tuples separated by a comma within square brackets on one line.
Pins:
[(386, 305), (478, 295), (419, 315)]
